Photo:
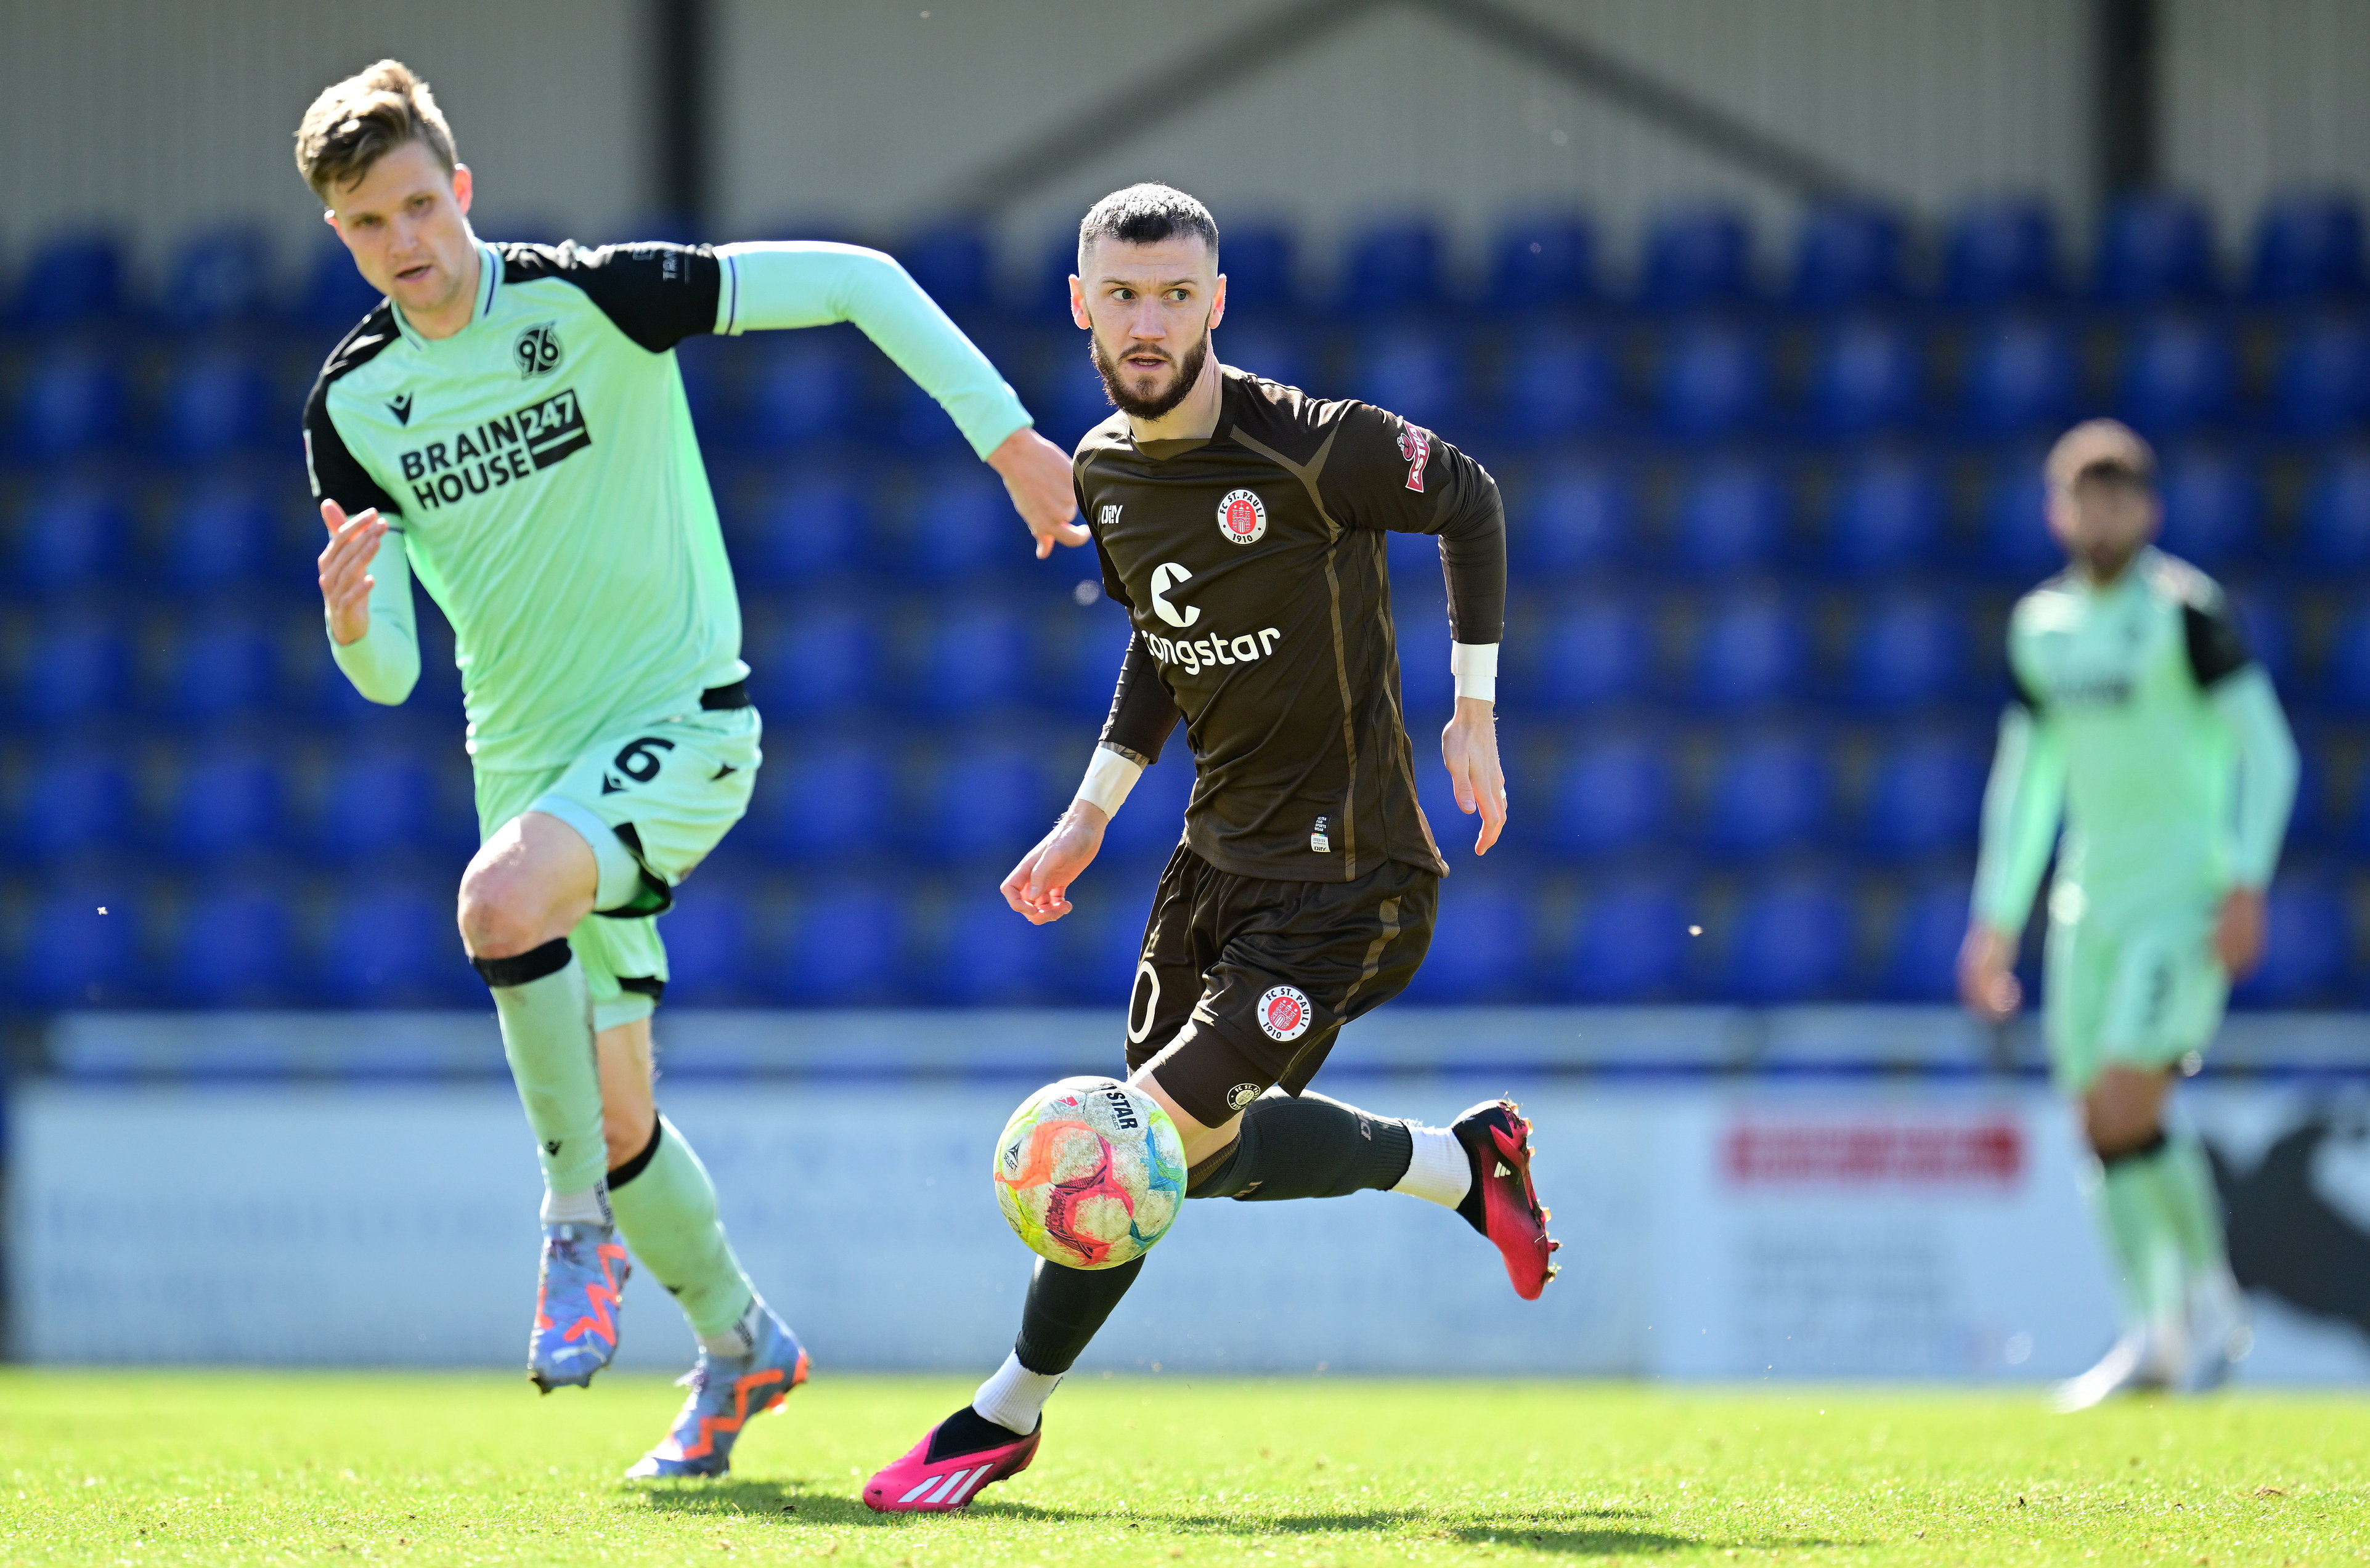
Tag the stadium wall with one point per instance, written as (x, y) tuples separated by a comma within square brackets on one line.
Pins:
[(1852, 1192)]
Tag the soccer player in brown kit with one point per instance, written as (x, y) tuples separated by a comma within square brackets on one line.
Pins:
[(1243, 525)]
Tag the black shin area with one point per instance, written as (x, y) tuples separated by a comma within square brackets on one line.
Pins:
[(620, 1174), (1066, 1309), (967, 1431), (1306, 1146)]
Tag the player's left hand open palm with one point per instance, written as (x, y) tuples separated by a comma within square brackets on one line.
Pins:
[(2238, 932), (1038, 887), (1469, 746), (1036, 474)]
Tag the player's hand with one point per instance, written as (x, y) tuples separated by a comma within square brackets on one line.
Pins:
[(1469, 746), (1036, 474), (1038, 887), (2238, 932), (346, 582), (1987, 982)]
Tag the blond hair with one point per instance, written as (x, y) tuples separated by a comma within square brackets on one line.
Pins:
[(356, 122)]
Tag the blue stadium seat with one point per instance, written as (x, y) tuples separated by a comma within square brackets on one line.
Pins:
[(1079, 648), (1557, 382), (1258, 261), (2179, 372), (391, 945), (2345, 672), (2309, 957), (958, 523), (1769, 792), (2268, 629), (1732, 514), (955, 265), (807, 386), (987, 799), (78, 668), (76, 802), (1921, 942), (2307, 245), (970, 660), (1481, 945), (71, 277), (1925, 794), (1571, 516), (1391, 264), (1591, 654), (1867, 374), (75, 533), (1148, 827), (987, 957), (2320, 384), (824, 802), (1846, 254), (1427, 686), (219, 276), (1712, 379), (382, 800), (711, 942), (223, 535), (2019, 374), (1886, 515), (2154, 245), (1906, 649), (232, 947), (216, 400), (335, 298), (72, 401), (221, 665), (1608, 795), (1071, 400), (227, 800), (1750, 650), (2334, 532), (1793, 941), (2213, 507), (1416, 371), (1631, 944), (1100, 941), (1265, 347), (1998, 250), (2014, 522), (1697, 254), (75, 956), (1542, 261), (806, 524), (845, 947)]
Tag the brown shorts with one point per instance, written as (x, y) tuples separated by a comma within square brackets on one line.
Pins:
[(1244, 981)]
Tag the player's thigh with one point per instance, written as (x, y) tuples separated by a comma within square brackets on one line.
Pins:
[(2166, 995), (1177, 946), (652, 802), (2078, 970)]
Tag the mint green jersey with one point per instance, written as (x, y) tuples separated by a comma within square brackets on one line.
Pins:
[(541, 478), (2143, 721)]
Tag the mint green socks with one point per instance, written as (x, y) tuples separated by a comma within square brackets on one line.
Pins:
[(666, 1210), (2163, 1219), (546, 1021), (2192, 1204)]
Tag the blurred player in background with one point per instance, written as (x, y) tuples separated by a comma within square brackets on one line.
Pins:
[(1243, 524), (509, 427), (2142, 720)]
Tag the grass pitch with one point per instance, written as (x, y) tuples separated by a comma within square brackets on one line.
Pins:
[(206, 1467)]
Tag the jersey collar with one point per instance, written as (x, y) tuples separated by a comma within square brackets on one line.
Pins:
[(1228, 390), (490, 282)]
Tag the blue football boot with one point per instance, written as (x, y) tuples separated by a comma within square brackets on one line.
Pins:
[(584, 1270), (725, 1392)]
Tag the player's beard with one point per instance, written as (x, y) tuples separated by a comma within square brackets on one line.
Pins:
[(1189, 370)]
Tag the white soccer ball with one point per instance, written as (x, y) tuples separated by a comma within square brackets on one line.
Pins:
[(1090, 1173)]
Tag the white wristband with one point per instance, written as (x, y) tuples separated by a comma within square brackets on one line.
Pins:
[(1109, 778), (1474, 665)]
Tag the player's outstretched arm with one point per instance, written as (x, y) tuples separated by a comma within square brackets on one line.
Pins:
[(369, 615), (812, 283), (2266, 794), (1469, 746), (1038, 887), (2023, 802)]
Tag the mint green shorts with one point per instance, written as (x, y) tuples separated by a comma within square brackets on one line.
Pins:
[(2145, 994), (652, 802)]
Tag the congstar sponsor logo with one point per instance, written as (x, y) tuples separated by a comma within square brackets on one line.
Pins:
[(499, 452)]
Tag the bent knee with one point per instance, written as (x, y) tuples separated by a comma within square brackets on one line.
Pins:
[(499, 914)]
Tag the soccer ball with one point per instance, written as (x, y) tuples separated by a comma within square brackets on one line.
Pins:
[(1090, 1173)]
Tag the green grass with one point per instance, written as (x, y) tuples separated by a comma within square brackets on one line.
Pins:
[(134, 1468)]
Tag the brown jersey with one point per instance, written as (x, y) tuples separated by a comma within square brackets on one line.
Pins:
[(1254, 568)]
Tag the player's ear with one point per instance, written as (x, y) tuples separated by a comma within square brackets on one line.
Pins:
[(1078, 304), (2059, 510), (464, 187), (1218, 301)]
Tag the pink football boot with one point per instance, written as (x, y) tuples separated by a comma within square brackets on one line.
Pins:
[(1502, 1206), (946, 1468)]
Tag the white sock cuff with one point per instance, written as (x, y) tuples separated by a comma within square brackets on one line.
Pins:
[(1438, 1168), (589, 1207), (1013, 1396)]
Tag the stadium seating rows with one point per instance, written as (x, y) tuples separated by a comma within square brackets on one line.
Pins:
[(1765, 524)]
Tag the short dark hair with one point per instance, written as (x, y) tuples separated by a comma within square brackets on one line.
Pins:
[(2101, 450), (356, 122), (1146, 214)]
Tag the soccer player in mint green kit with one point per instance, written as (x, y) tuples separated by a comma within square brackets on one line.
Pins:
[(2143, 722), (509, 427)]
